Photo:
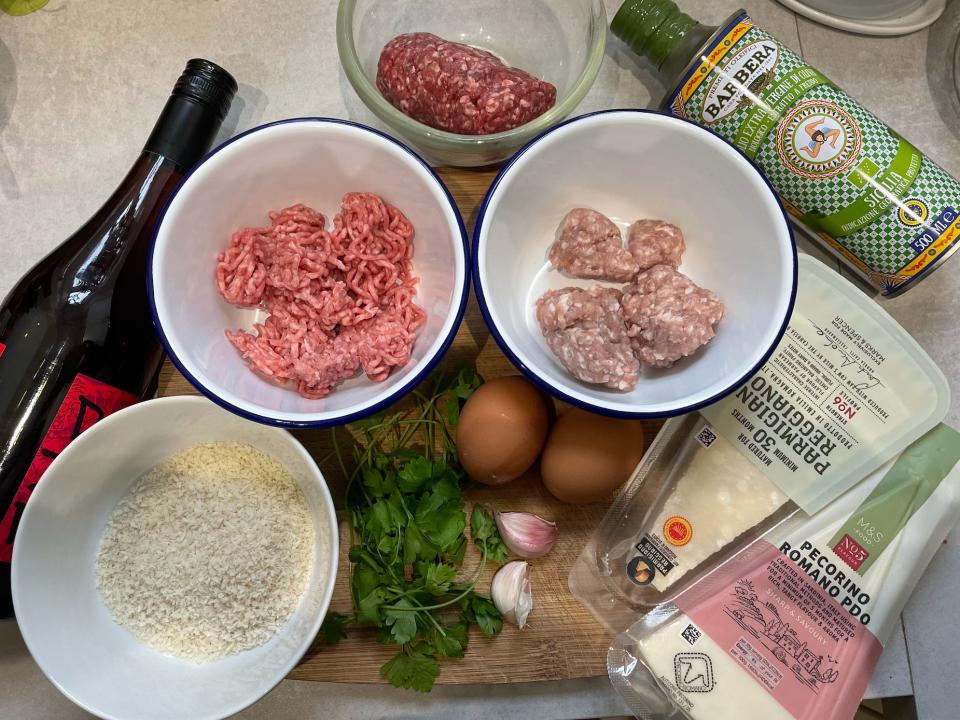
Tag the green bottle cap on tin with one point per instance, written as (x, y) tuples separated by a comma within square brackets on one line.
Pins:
[(652, 28)]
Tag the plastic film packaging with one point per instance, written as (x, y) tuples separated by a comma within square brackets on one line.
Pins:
[(792, 626)]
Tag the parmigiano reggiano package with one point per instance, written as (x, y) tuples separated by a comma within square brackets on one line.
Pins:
[(845, 391)]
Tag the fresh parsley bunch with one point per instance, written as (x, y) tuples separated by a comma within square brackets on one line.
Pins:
[(408, 539)]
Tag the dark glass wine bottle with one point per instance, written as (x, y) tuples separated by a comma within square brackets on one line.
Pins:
[(76, 339)]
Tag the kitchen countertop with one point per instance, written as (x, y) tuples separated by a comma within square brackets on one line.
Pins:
[(81, 84)]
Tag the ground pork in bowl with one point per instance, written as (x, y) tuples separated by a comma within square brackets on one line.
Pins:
[(634, 264), (308, 272)]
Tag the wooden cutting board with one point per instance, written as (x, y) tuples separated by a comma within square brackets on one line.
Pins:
[(562, 639)]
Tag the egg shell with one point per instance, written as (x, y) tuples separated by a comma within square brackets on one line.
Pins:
[(501, 430), (589, 456)]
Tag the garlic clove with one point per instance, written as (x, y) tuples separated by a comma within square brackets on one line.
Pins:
[(524, 606), (526, 534), (511, 593)]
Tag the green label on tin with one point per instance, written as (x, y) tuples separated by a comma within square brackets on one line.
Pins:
[(865, 171), (870, 195), (885, 190)]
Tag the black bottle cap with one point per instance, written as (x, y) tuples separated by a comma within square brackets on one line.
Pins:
[(193, 114), (208, 83)]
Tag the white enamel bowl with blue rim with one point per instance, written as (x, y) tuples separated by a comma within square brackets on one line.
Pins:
[(65, 623), (314, 161), (632, 164)]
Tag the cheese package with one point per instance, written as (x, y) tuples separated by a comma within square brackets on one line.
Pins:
[(844, 391), (792, 626)]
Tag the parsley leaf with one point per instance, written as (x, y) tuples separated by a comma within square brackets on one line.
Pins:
[(446, 487), (387, 545), (453, 641), (451, 411), (334, 627), (447, 645), (416, 546), (460, 388), (368, 607), (465, 383), (364, 581), (402, 621), (484, 613), (482, 524), (490, 625), (385, 517), (433, 501), (414, 672), (485, 534), (414, 474), (456, 552), (437, 577), (443, 527), (378, 483)]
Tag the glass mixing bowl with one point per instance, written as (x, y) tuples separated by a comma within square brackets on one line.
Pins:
[(560, 41)]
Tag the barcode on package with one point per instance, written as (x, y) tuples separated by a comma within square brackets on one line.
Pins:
[(691, 634), (706, 436)]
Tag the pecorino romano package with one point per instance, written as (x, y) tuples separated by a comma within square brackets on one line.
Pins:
[(845, 391)]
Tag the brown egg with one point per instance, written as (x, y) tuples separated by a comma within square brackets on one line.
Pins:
[(501, 430), (589, 456)]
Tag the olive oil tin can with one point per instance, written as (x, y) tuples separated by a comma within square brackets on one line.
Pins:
[(885, 209)]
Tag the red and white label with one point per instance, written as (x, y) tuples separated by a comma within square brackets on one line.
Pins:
[(851, 552), (86, 402), (2, 348)]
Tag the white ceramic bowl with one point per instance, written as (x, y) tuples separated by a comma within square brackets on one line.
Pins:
[(69, 631), (866, 9), (314, 161), (871, 17), (631, 164)]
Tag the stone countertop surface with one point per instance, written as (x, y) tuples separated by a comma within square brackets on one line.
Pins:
[(81, 84)]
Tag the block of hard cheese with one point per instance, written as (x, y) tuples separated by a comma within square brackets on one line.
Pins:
[(719, 496)]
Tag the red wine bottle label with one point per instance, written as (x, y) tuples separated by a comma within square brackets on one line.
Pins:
[(2, 348), (86, 402)]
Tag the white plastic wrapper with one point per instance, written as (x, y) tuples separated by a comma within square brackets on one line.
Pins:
[(790, 626)]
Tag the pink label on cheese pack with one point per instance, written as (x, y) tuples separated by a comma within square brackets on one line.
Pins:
[(786, 632)]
